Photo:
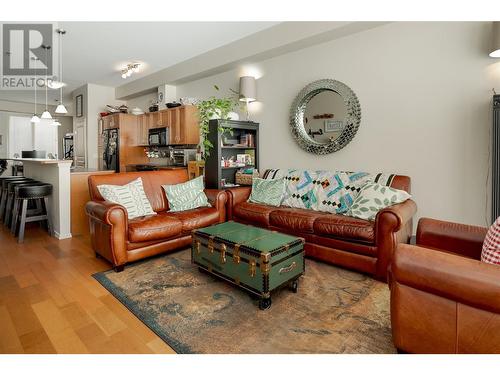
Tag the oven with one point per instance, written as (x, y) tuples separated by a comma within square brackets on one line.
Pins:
[(158, 137), (183, 156)]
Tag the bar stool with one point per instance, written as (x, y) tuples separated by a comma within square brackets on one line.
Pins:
[(4, 196), (35, 193), (9, 199), (34, 206)]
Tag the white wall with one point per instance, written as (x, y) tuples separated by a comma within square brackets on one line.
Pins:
[(143, 101), (425, 94)]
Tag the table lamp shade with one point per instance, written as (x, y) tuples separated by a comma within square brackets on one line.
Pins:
[(495, 46)]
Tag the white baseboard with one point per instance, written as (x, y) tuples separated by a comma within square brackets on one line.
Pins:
[(62, 236)]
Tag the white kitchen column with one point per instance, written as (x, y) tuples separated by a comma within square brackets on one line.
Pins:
[(57, 173)]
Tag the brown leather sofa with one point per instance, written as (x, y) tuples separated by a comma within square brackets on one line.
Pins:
[(352, 243), (120, 240), (443, 298)]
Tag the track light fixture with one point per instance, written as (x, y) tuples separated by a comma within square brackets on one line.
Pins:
[(131, 68)]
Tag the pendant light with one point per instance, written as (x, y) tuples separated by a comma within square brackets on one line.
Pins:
[(35, 119), (61, 108), (46, 114)]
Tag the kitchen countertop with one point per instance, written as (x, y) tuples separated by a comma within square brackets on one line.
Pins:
[(41, 161), (159, 166), (80, 170)]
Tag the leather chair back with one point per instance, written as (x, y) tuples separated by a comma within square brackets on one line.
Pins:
[(402, 183), (151, 180)]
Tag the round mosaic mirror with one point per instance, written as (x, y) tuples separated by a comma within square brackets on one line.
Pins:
[(325, 116)]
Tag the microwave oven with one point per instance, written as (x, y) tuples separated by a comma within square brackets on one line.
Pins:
[(158, 137)]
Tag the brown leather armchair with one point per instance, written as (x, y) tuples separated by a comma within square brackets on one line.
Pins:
[(120, 240), (443, 298)]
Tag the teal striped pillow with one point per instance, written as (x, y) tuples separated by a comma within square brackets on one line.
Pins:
[(186, 196), (131, 196)]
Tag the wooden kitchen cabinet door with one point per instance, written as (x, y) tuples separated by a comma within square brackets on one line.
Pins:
[(142, 131), (164, 119), (111, 122), (154, 120), (189, 125), (174, 123)]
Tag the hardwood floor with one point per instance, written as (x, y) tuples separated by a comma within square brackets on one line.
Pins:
[(49, 303)]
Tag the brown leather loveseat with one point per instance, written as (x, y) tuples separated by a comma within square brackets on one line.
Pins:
[(339, 239), (120, 240), (443, 298)]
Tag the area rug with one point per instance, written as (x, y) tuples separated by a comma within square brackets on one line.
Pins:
[(334, 311)]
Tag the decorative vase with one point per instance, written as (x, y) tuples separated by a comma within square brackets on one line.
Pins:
[(233, 116), (216, 115)]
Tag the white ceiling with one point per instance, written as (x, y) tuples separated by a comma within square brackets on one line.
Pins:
[(95, 52)]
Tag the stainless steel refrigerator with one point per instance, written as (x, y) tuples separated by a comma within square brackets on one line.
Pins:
[(111, 149)]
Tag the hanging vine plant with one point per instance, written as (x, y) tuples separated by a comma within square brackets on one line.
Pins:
[(214, 108)]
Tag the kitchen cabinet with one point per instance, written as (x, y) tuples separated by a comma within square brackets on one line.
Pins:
[(184, 126), (111, 122), (155, 120), (142, 130)]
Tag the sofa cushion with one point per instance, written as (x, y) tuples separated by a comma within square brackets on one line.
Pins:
[(268, 192), (197, 218), (155, 227), (374, 197), (187, 195), (491, 246), (299, 189), (345, 227), (131, 196), (253, 212), (294, 218)]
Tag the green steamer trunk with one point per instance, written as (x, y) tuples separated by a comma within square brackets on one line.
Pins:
[(255, 259)]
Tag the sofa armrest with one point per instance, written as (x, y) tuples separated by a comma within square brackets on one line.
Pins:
[(108, 230), (108, 212), (466, 240), (218, 198), (236, 196), (450, 276), (396, 217), (393, 225)]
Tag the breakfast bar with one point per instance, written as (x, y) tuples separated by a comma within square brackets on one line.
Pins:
[(57, 173)]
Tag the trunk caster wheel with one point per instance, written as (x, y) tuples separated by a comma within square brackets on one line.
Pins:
[(265, 303), (295, 286)]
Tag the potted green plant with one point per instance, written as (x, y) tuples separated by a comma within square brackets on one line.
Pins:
[(214, 108)]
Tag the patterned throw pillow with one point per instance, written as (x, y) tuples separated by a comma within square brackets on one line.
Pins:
[(336, 191), (374, 197), (491, 244), (299, 189), (268, 192), (186, 196), (131, 196)]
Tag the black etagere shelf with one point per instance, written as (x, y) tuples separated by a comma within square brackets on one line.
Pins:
[(227, 144)]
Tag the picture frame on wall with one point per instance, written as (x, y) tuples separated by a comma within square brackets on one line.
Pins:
[(333, 126), (79, 106)]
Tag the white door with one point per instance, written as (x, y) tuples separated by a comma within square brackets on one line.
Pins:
[(80, 143)]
